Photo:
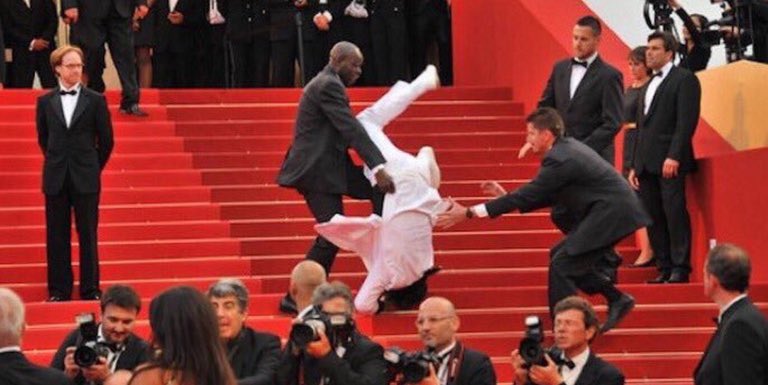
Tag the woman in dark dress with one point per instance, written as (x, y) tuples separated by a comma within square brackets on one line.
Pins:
[(640, 76), (143, 41)]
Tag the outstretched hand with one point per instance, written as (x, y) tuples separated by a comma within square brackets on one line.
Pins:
[(385, 182), (492, 188), (456, 213)]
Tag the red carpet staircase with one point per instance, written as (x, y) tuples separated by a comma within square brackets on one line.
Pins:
[(189, 196)]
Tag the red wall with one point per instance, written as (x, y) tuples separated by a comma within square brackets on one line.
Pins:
[(515, 43)]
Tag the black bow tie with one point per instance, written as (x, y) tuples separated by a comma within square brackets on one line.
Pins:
[(579, 63), (73, 93), (568, 363), (659, 74)]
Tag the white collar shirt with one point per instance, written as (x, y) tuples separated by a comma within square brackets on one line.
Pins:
[(69, 102), (653, 86), (571, 375), (578, 72)]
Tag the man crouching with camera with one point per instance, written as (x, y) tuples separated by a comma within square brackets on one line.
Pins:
[(326, 348), (571, 359), (92, 352)]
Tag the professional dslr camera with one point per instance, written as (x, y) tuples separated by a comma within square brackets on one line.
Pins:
[(89, 350), (662, 15), (531, 349), (337, 328), (414, 366)]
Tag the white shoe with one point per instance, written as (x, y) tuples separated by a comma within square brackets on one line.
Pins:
[(427, 155), (428, 78)]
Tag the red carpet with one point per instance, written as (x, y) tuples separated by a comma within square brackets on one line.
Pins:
[(189, 196)]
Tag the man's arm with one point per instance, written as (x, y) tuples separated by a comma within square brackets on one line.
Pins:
[(51, 21), (548, 96), (370, 372), (335, 104), (688, 110), (42, 132), (536, 194), (612, 114), (741, 358), (690, 26), (267, 363), (104, 132)]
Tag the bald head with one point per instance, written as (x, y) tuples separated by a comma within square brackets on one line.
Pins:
[(11, 318), (441, 304), (305, 277), (347, 61), (437, 323)]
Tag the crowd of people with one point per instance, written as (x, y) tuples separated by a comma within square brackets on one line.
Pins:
[(225, 43)]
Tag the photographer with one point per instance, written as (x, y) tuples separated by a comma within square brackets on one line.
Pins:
[(437, 324), (694, 51), (576, 325), (339, 355), (119, 307), (253, 356)]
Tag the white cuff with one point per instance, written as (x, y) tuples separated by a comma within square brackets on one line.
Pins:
[(328, 16), (31, 44), (480, 210), (377, 168)]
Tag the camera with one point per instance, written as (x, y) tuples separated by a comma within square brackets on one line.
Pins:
[(89, 349), (337, 327), (530, 346), (414, 366), (662, 15)]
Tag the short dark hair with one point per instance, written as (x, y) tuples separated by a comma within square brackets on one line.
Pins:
[(577, 303), (730, 265), (669, 41), (547, 118), (121, 296), (637, 54), (329, 291), (591, 22)]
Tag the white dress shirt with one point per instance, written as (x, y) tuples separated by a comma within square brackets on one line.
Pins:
[(653, 85), (571, 375), (69, 102), (172, 5), (442, 371), (578, 72), (112, 357), (9, 349)]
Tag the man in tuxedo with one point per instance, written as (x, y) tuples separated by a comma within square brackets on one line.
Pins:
[(341, 355), (119, 308), (31, 26), (587, 92), (575, 177), (576, 326), (15, 369), (437, 324), (389, 37), (663, 156), (284, 40), (738, 350), (174, 46), (252, 355), (317, 164), (247, 29), (96, 22), (74, 131)]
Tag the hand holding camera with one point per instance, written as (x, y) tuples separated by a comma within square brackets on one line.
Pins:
[(319, 348)]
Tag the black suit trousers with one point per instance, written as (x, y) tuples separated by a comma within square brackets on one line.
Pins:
[(432, 26), (58, 215), (172, 69), (592, 272), (388, 37), (325, 205), (26, 63), (670, 233), (91, 34), (285, 53), (250, 62)]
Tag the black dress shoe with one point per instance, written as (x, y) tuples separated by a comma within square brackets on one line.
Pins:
[(95, 296), (662, 278), (648, 263), (288, 305), (678, 278), (133, 110), (57, 298), (617, 310)]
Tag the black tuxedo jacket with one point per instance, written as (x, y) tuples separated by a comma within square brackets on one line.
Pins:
[(598, 372), (667, 130), (246, 19), (136, 353), (737, 354), (83, 149), (362, 364), (15, 369), (475, 367), (99, 9), (283, 22), (22, 23), (573, 176), (325, 127), (178, 38), (595, 113), (254, 357)]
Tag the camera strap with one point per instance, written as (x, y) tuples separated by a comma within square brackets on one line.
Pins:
[(455, 358)]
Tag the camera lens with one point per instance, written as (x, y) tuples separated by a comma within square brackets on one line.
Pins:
[(415, 371), (85, 356)]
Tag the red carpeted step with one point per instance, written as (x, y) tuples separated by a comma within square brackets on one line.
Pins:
[(35, 215), (126, 231), (121, 129), (115, 178), (148, 96), (158, 161), (404, 125), (17, 113), (288, 110), (136, 145)]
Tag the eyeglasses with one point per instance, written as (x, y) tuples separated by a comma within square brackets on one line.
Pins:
[(432, 320), (72, 66)]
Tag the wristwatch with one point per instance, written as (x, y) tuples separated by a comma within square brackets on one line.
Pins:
[(469, 213)]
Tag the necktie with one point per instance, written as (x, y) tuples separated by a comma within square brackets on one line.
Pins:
[(579, 63), (655, 74), (73, 93)]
